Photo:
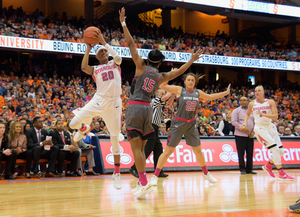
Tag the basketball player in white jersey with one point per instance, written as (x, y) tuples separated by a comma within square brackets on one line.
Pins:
[(106, 101), (264, 111)]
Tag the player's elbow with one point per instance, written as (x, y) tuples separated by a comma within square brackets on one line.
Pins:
[(118, 60)]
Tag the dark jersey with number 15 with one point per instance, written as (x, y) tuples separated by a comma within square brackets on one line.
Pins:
[(144, 86), (188, 103)]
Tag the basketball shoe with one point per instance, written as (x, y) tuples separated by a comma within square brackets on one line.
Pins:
[(285, 177), (81, 133), (296, 207), (154, 180), (268, 170), (210, 178), (138, 185), (142, 190), (117, 180)]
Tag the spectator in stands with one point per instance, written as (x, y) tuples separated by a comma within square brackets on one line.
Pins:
[(6, 154), (225, 126), (62, 140), (86, 150), (288, 132), (281, 130), (96, 129), (18, 144), (162, 130), (41, 147), (297, 130)]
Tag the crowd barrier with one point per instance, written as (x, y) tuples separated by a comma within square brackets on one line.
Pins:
[(220, 154)]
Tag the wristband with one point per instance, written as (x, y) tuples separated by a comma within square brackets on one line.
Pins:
[(123, 23)]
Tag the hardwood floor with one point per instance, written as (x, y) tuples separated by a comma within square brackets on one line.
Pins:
[(182, 194)]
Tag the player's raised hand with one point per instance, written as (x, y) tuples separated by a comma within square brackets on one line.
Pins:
[(197, 55), (228, 89), (100, 37), (122, 15)]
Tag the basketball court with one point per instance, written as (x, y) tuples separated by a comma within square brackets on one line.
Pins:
[(181, 194)]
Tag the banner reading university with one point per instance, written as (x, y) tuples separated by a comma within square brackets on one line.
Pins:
[(124, 52), (216, 153)]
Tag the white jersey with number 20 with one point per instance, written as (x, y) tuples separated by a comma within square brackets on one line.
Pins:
[(265, 108), (108, 80)]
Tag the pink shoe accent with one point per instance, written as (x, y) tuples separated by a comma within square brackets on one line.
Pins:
[(83, 128), (269, 171), (284, 176), (269, 165)]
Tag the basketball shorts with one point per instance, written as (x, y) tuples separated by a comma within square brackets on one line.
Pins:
[(267, 135), (179, 128), (109, 110), (138, 120)]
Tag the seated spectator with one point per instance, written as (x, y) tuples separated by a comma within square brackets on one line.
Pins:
[(7, 154), (288, 132), (18, 144), (41, 147), (225, 126), (62, 140), (86, 150), (162, 130), (297, 130), (280, 130), (97, 129)]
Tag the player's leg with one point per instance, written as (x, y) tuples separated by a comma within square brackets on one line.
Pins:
[(193, 140), (112, 118), (280, 150), (82, 119)]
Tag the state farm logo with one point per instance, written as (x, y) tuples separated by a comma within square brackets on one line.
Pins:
[(124, 158), (228, 154)]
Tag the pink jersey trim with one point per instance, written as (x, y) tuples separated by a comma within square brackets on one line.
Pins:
[(136, 102), (135, 129), (147, 71), (184, 120), (148, 133), (189, 91)]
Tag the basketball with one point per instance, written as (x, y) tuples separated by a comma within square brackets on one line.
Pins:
[(89, 36)]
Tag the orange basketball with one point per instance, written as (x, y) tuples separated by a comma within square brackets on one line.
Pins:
[(88, 36)]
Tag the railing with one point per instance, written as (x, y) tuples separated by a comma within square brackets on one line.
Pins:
[(104, 9), (278, 36), (146, 18)]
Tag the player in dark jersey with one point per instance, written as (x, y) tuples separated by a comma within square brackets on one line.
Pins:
[(139, 112), (183, 122)]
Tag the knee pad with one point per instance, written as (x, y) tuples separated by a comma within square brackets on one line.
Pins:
[(75, 123), (276, 155), (116, 150)]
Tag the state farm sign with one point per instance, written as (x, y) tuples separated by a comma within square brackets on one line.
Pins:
[(216, 153)]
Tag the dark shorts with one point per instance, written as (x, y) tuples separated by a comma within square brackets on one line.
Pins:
[(179, 128), (138, 120)]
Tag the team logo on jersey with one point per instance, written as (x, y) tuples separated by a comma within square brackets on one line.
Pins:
[(228, 154), (124, 158)]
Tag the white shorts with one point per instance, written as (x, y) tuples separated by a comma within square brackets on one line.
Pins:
[(109, 110), (267, 135)]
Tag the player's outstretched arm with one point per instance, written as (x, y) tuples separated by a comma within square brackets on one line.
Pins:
[(85, 62), (171, 88), (115, 55), (215, 95), (139, 62), (175, 73)]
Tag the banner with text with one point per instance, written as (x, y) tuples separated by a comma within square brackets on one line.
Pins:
[(216, 153), (80, 48), (247, 5)]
